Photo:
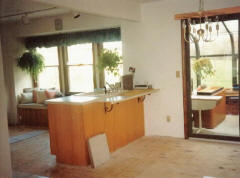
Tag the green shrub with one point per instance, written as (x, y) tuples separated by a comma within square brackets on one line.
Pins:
[(109, 60), (31, 62)]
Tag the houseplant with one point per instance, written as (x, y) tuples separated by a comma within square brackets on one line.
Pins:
[(203, 68), (32, 62), (109, 61)]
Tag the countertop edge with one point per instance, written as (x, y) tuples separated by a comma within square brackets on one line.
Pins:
[(131, 97), (103, 100)]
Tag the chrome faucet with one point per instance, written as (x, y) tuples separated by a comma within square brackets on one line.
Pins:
[(110, 86), (105, 90)]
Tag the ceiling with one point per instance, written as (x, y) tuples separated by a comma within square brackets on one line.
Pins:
[(10, 8), (143, 1)]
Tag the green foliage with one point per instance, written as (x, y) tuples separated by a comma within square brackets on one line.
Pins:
[(31, 62), (109, 60), (203, 68)]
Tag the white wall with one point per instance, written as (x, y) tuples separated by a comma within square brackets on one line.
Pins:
[(5, 161), (153, 46), (45, 26), (15, 79)]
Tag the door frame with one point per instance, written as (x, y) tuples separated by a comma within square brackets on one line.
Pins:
[(187, 106)]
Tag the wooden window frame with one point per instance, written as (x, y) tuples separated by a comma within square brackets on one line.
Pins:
[(98, 76), (66, 70)]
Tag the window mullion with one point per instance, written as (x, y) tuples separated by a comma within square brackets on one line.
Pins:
[(100, 72), (61, 69), (95, 70), (66, 69)]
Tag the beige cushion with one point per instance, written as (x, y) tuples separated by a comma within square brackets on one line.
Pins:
[(26, 98), (28, 90), (53, 88), (41, 96)]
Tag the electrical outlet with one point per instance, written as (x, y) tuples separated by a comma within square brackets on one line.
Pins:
[(168, 118)]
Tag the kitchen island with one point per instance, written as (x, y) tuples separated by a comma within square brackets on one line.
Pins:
[(74, 119)]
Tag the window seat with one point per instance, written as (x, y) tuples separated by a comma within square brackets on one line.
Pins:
[(33, 106), (33, 114)]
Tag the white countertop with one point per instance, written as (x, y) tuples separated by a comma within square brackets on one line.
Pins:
[(73, 100), (206, 97), (83, 99)]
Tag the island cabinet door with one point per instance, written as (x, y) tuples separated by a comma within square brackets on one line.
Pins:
[(66, 134), (124, 124), (140, 126), (93, 117), (109, 128)]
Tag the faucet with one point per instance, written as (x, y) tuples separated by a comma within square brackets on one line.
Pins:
[(105, 90), (110, 86)]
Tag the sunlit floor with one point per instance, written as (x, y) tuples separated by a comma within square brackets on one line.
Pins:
[(229, 127), (147, 157)]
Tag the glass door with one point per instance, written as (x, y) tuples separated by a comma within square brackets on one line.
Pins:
[(214, 81)]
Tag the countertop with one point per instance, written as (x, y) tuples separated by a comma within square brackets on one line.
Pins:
[(206, 97), (86, 98)]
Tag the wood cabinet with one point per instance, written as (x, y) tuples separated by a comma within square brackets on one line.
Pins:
[(70, 127), (33, 117), (212, 118)]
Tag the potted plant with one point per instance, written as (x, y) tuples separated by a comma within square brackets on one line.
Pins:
[(203, 68), (109, 61), (33, 63)]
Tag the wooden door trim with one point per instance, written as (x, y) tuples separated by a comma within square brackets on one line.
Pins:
[(187, 88), (215, 12)]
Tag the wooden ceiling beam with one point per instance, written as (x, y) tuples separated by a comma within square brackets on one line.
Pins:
[(215, 12)]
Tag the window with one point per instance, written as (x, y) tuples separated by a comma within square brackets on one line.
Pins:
[(74, 69), (220, 53), (80, 68), (110, 78), (50, 76)]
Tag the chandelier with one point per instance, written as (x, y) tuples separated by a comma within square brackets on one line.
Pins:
[(204, 30)]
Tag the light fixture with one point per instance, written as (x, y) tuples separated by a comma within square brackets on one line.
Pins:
[(204, 30), (25, 15), (25, 19), (76, 15)]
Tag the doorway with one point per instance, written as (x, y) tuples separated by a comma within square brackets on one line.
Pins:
[(211, 81)]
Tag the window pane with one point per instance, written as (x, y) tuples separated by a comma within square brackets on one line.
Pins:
[(109, 77), (50, 55), (222, 43), (49, 78), (222, 61), (222, 75), (81, 78), (80, 54), (114, 45)]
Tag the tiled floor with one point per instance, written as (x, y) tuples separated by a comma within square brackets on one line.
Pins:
[(148, 157), (20, 129), (25, 175)]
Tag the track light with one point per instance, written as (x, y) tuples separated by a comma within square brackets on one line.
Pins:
[(76, 15), (25, 19)]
